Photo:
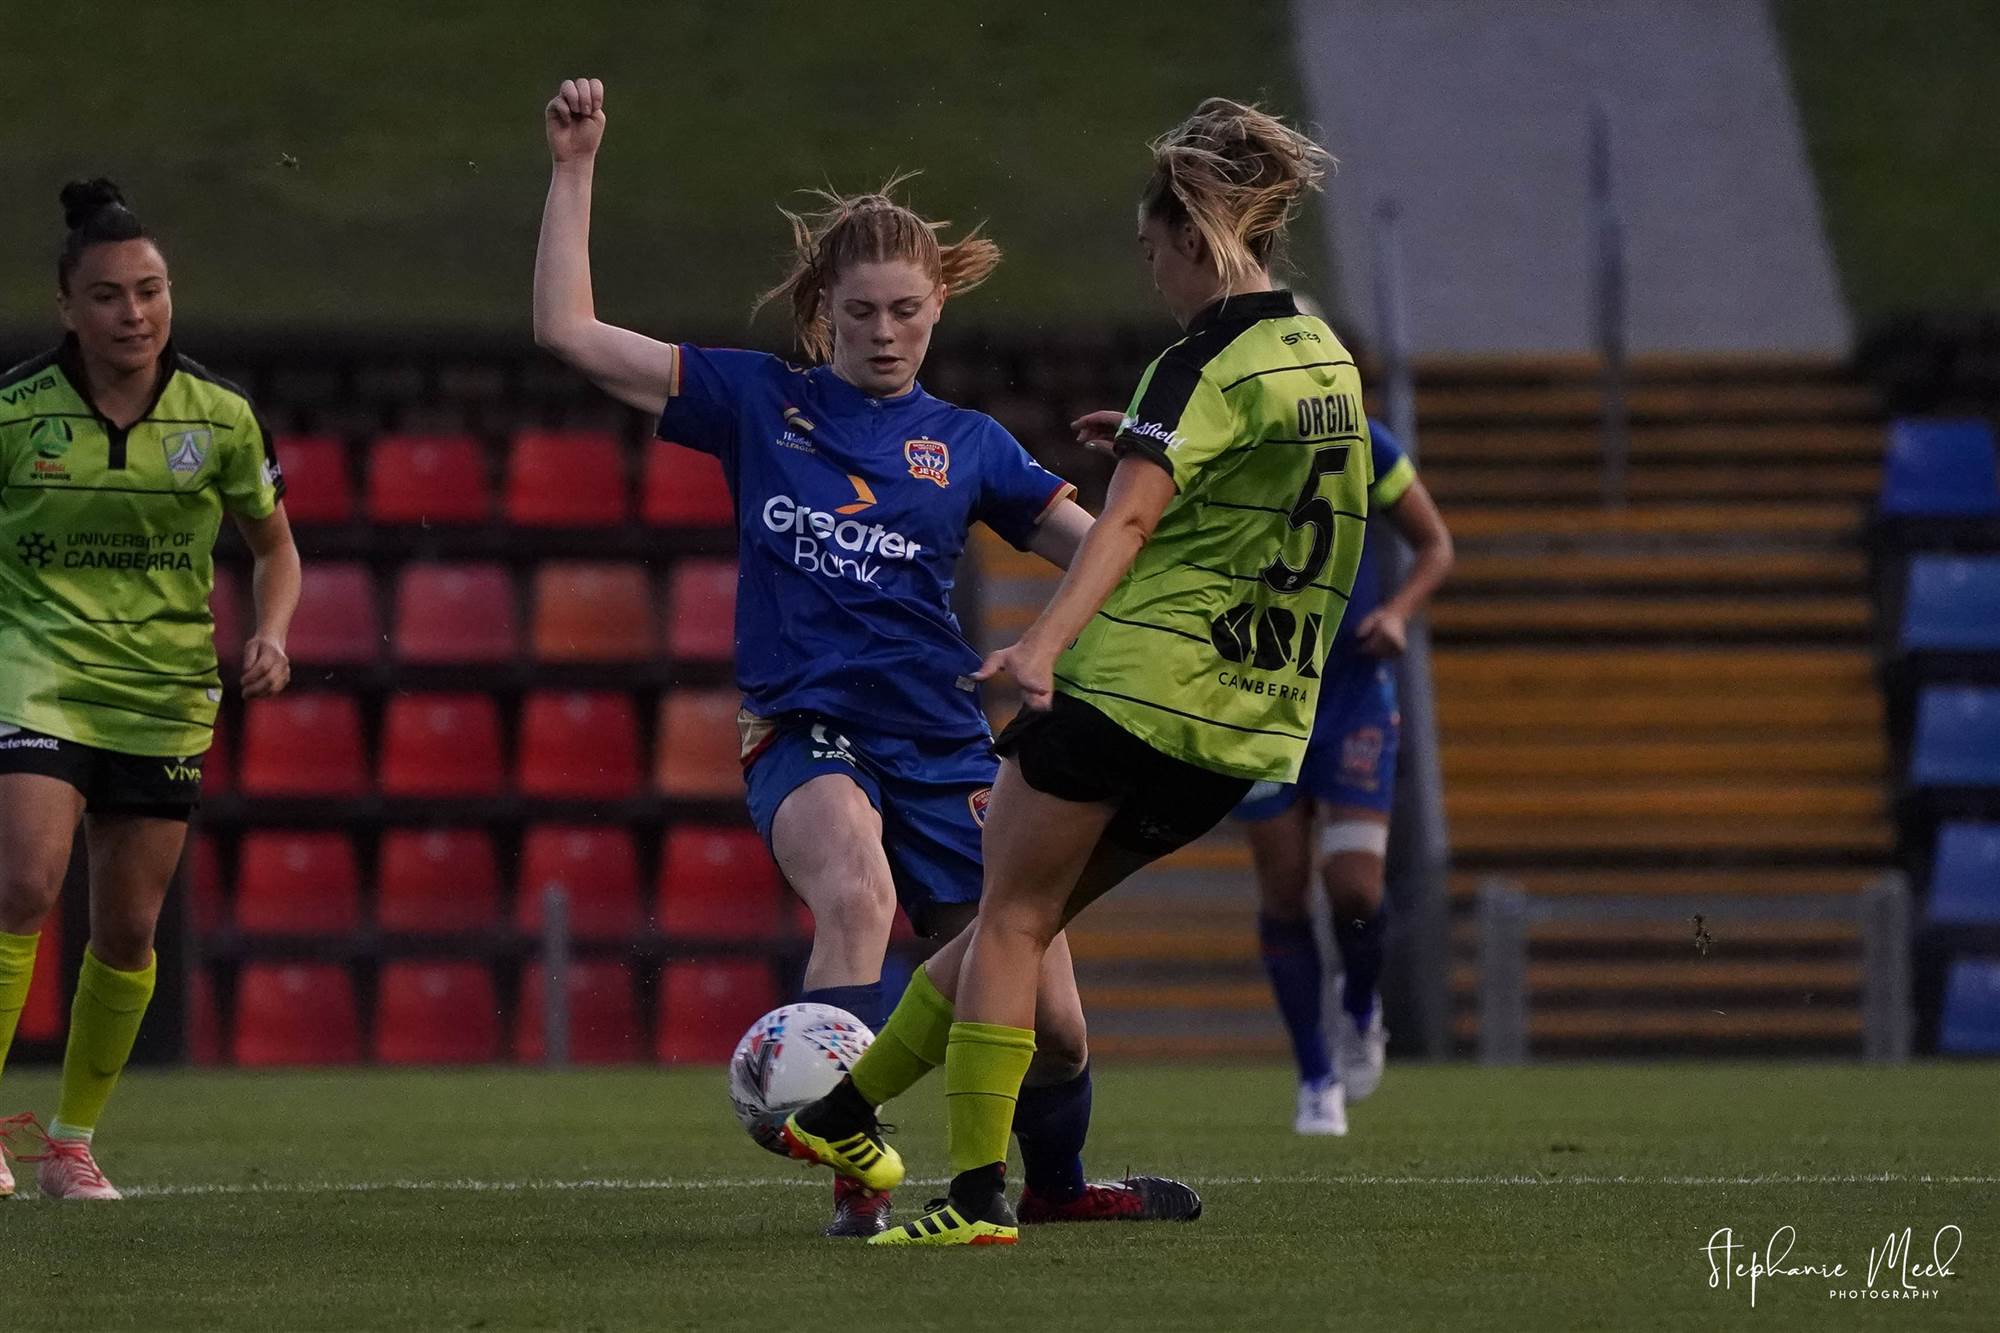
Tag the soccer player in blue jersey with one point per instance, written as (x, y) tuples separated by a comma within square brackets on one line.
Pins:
[(867, 756), (1345, 789)]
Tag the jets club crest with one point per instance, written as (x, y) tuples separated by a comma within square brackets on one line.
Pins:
[(930, 460)]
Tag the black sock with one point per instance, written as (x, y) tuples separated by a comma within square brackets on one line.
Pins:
[(974, 1191), (838, 1114)]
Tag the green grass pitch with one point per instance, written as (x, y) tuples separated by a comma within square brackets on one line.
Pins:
[(1552, 1197)]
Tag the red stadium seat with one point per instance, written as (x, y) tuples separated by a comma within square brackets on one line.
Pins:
[(218, 769), (437, 880), (566, 479), (441, 745), (436, 1014), (685, 489), (303, 745), (455, 613), (699, 749), (297, 884), (707, 1005), (701, 610), (428, 479), (719, 884), (317, 489), (577, 743), (206, 899), (603, 1014), (204, 1020), (225, 604), (588, 611), (42, 1016), (295, 1014), (596, 867), (336, 622)]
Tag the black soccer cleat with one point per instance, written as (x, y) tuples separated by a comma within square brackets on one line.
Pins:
[(857, 1210), (1134, 1199)]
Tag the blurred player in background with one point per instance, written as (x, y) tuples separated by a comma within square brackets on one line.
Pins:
[(1177, 664), (1346, 787), (867, 756), (119, 458)]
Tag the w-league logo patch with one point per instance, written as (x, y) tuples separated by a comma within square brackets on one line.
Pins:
[(187, 450), (929, 460)]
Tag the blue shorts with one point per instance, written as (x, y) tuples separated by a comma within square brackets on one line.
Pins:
[(1351, 758), (931, 793)]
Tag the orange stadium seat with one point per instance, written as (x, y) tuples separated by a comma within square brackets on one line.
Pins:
[(592, 611), (566, 479), (441, 745), (206, 898), (428, 479), (204, 1019), (442, 1013), (225, 604), (295, 1014), (603, 1014), (455, 613), (578, 743), (336, 623), (719, 884), (684, 489), (217, 770), (303, 745), (437, 880), (317, 489), (596, 867), (705, 1006), (297, 883), (698, 746), (42, 1016), (701, 610)]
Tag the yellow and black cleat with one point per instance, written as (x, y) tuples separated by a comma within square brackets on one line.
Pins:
[(944, 1224), (862, 1157)]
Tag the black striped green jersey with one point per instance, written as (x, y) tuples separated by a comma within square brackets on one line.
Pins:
[(1211, 648), (106, 542)]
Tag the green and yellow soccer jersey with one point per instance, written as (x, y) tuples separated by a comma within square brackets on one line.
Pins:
[(106, 542), (1211, 648)]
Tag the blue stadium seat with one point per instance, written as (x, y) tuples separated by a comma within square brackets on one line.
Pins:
[(1941, 466), (1971, 1022), (1952, 604), (1965, 875), (1958, 737)]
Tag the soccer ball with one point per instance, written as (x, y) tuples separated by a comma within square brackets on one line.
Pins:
[(789, 1057)]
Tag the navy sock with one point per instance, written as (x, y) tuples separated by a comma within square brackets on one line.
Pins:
[(1050, 1123), (1360, 941), (864, 1002), (1291, 959)]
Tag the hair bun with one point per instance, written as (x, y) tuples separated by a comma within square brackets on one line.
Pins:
[(83, 200)]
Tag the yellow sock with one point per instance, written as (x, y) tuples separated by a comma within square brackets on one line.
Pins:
[(103, 1024), (983, 1068), (17, 969), (910, 1044)]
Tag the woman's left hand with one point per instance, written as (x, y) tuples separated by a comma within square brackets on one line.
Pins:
[(266, 669), (1382, 633), (1033, 669)]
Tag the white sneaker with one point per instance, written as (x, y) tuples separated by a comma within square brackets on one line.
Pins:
[(70, 1172), (1360, 1054), (6, 1178), (1322, 1109), (10, 1126)]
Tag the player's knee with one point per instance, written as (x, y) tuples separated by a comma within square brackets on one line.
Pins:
[(1285, 901), (27, 892), (124, 945), (1352, 854), (860, 909), (1059, 1057)]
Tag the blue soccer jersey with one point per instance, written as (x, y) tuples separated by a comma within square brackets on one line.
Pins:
[(851, 515), (1393, 474)]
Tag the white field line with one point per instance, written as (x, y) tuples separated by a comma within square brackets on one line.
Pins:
[(471, 1186)]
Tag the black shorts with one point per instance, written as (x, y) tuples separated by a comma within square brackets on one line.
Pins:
[(111, 783), (1076, 753)]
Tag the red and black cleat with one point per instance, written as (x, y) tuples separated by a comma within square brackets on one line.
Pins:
[(857, 1210), (1134, 1199)]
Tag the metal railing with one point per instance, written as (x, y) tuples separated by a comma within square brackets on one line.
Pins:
[(1507, 914)]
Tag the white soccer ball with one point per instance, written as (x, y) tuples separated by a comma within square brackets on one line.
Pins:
[(789, 1057)]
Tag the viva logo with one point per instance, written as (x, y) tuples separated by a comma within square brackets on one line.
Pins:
[(181, 771)]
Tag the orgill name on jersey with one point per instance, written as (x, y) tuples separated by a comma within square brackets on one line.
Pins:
[(813, 530)]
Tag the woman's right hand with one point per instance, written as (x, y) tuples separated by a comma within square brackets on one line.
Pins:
[(1097, 429), (574, 119)]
